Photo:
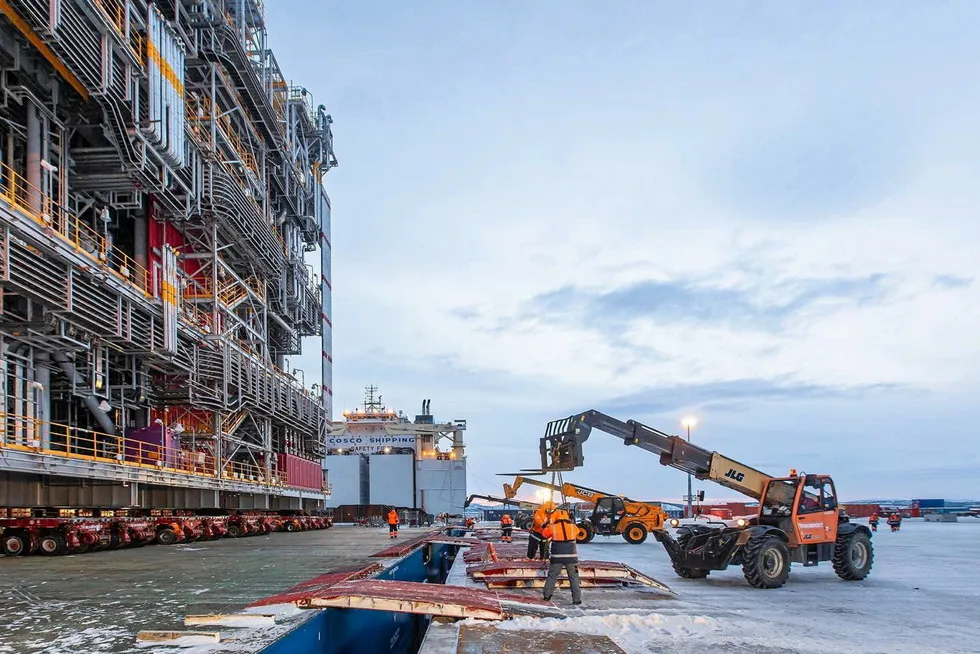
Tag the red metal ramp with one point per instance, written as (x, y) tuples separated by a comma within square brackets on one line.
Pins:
[(481, 551), (317, 585), (438, 536), (428, 599), (531, 574)]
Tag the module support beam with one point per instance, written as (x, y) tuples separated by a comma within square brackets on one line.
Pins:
[(43, 48)]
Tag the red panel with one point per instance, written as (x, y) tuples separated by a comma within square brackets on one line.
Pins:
[(318, 584), (472, 598)]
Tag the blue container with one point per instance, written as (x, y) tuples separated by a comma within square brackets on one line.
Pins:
[(931, 504), (339, 631)]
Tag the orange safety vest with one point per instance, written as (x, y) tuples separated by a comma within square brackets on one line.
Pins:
[(540, 521), (561, 528), (392, 518), (506, 521)]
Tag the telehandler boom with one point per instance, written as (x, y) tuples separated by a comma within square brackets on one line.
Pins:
[(613, 514), (522, 521), (798, 519)]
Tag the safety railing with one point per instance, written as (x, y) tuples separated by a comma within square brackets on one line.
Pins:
[(115, 12), (25, 434), (66, 225)]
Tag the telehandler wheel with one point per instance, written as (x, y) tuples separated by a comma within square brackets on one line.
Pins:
[(689, 573), (585, 533), (766, 561), (635, 533), (853, 556)]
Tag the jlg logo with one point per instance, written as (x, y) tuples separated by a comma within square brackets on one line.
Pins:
[(733, 474)]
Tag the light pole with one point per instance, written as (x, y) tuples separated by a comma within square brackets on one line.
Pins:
[(689, 422)]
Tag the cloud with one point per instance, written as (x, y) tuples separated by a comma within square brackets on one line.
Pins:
[(953, 281), (735, 395), (692, 301)]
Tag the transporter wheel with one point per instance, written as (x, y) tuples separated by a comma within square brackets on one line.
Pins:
[(52, 544), (234, 531), (166, 537), (290, 526), (853, 556), (635, 533), (585, 533), (766, 561), (15, 544)]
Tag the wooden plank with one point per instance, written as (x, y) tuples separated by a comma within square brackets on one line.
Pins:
[(495, 583), (174, 636), (232, 620), (433, 599)]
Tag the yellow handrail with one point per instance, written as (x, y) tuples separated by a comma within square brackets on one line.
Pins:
[(116, 14), (24, 434), (30, 200)]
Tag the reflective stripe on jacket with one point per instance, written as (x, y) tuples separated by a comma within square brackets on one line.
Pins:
[(564, 551)]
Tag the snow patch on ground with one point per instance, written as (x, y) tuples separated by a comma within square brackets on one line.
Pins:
[(182, 641), (920, 598), (280, 610), (635, 633)]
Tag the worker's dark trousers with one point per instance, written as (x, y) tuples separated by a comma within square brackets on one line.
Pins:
[(535, 543), (508, 533), (571, 569), (393, 530)]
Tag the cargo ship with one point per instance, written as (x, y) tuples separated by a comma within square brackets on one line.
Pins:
[(161, 187), (377, 457)]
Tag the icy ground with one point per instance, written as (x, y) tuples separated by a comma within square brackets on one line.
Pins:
[(923, 595)]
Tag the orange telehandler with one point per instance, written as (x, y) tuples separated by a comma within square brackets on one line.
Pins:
[(613, 514), (798, 519)]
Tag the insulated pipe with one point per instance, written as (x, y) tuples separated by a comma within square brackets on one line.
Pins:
[(322, 211), (90, 400), (140, 237), (33, 158), (42, 375)]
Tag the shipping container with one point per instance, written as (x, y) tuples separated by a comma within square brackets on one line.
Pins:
[(298, 472), (929, 504), (862, 510)]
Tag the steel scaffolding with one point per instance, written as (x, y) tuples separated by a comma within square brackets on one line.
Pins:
[(160, 186)]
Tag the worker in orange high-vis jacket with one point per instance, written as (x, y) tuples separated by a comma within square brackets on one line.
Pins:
[(507, 528), (392, 523), (536, 540), (564, 554)]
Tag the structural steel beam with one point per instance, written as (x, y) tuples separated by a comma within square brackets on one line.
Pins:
[(43, 48)]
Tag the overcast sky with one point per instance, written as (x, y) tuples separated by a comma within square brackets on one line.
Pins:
[(762, 214)]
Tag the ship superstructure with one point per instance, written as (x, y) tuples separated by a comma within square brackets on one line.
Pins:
[(377, 456), (161, 187)]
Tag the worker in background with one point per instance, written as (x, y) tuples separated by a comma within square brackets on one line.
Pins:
[(873, 521), (895, 521), (470, 522), (506, 528), (392, 523), (564, 554), (537, 541)]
